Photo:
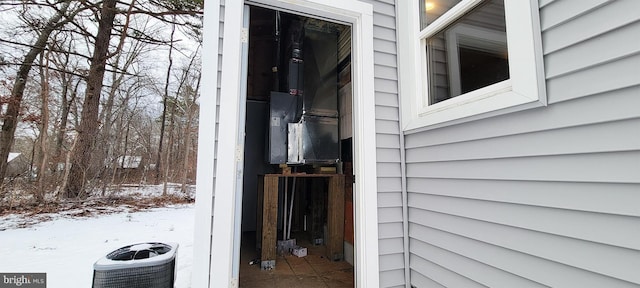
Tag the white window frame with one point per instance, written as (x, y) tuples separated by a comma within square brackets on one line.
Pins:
[(524, 89)]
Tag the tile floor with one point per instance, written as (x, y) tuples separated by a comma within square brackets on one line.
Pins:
[(311, 271)]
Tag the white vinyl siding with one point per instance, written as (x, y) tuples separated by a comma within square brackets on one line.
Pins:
[(205, 183), (545, 197), (390, 245)]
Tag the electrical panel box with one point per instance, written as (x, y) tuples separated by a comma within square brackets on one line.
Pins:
[(282, 111)]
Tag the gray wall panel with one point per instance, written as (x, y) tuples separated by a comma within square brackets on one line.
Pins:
[(617, 14), (545, 196), (387, 141), (387, 125), (390, 199), (563, 11), (546, 272), (390, 215), (486, 275), (392, 278), (595, 51)]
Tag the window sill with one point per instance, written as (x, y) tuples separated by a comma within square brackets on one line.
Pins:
[(491, 101)]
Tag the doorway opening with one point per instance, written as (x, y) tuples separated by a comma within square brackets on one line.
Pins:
[(298, 153)]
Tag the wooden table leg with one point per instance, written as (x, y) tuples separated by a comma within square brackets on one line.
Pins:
[(335, 218), (269, 222), (259, 207)]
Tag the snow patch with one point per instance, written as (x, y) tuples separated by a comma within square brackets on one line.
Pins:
[(66, 248)]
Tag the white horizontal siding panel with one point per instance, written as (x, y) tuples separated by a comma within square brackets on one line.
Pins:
[(441, 275), (389, 230), (382, 8), (383, 33), (594, 227), (618, 167), (388, 170), (618, 199), (387, 127), (387, 113), (390, 215), (607, 260), (386, 99), (385, 46), (387, 141), (603, 137), (394, 278), (389, 199), (602, 78), (544, 3), (390, 185), (391, 246), (549, 273), (598, 50), (390, 2), (385, 59), (385, 72), (574, 113), (419, 280), (476, 271), (606, 18), (384, 85), (561, 11), (386, 155), (387, 21), (391, 262)]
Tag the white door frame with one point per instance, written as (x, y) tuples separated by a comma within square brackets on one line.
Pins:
[(230, 152)]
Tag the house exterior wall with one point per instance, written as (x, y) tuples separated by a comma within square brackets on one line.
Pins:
[(545, 197), (390, 227), (207, 148)]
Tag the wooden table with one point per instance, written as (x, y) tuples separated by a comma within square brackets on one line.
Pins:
[(268, 199)]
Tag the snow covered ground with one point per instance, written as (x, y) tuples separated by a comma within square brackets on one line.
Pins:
[(66, 247)]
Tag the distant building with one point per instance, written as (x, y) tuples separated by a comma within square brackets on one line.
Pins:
[(17, 165), (129, 168), (129, 162)]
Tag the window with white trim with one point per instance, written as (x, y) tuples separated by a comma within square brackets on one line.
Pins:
[(464, 58)]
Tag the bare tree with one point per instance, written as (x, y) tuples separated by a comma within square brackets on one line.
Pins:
[(87, 130), (68, 94), (190, 111), (81, 157), (73, 83), (43, 153), (164, 111), (10, 118)]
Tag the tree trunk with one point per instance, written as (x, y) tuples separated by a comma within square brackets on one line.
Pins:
[(64, 118), (44, 126), (13, 107), (88, 129), (187, 142), (164, 108)]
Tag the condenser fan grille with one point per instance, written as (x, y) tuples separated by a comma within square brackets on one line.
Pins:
[(139, 251), (140, 265)]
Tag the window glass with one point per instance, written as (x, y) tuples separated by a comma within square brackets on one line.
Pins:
[(469, 54), (430, 10)]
